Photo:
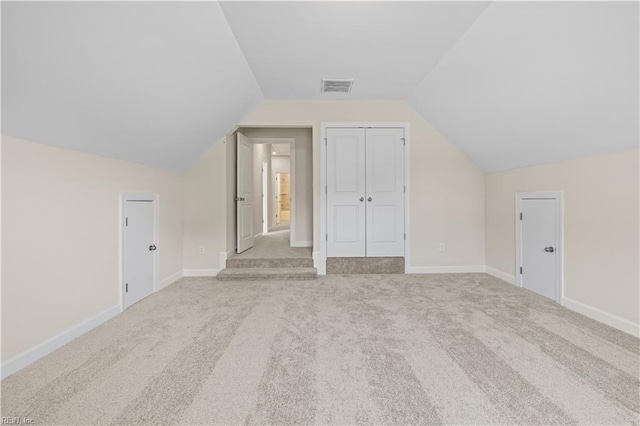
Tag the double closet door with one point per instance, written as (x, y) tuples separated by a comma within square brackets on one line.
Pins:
[(365, 192)]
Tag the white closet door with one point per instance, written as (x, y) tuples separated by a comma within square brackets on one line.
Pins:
[(345, 192), (385, 192), (245, 193)]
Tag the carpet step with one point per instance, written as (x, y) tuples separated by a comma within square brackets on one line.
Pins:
[(255, 274), (365, 265), (286, 262)]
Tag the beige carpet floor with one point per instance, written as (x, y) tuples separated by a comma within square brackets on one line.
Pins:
[(273, 245), (374, 349)]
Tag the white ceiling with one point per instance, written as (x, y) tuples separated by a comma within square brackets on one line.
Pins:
[(511, 83), (388, 47), (536, 82), (281, 148), (151, 82)]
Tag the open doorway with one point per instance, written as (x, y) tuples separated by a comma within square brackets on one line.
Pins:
[(281, 176), (283, 199)]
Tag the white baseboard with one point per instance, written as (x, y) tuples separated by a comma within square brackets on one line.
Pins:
[(316, 255), (200, 272), (301, 243), (602, 316), (501, 275), (222, 260), (170, 280), (445, 269), (30, 356)]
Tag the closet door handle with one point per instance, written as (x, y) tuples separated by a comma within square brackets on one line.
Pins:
[(369, 199), (361, 199)]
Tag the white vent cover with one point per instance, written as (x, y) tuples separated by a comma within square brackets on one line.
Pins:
[(337, 85)]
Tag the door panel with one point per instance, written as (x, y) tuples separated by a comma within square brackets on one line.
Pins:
[(385, 192), (245, 193), (139, 235), (539, 233), (345, 190)]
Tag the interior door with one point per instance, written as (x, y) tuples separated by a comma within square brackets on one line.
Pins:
[(139, 250), (244, 192), (346, 192), (385, 192), (539, 246)]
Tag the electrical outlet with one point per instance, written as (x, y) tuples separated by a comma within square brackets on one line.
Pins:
[(441, 247), (201, 250)]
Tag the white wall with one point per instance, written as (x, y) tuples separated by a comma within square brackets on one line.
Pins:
[(261, 154), (61, 237), (303, 175), (205, 211), (601, 214), (447, 190)]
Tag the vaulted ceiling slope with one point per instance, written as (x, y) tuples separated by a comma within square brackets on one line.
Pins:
[(388, 47), (536, 82), (150, 82), (511, 84)]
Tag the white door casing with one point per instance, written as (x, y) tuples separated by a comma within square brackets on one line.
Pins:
[(539, 243), (385, 192), (346, 191), (244, 192), (139, 250)]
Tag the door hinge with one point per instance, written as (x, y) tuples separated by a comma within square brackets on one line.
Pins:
[(126, 221), (520, 215), (405, 236), (404, 189), (326, 237), (325, 141), (126, 288), (521, 270), (403, 141)]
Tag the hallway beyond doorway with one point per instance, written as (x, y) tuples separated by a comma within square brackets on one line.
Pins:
[(274, 245)]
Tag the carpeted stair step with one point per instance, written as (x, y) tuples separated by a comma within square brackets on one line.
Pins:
[(285, 262), (255, 274)]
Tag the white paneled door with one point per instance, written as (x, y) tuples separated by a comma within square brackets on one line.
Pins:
[(139, 250), (244, 193), (385, 192), (540, 255), (346, 193), (365, 192)]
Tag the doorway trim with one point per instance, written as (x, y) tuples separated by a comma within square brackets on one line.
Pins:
[(542, 195), (139, 196), (265, 198), (322, 261)]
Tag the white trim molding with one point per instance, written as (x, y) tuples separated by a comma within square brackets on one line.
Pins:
[(511, 279), (301, 243), (139, 196), (602, 316), (551, 195), (170, 280), (43, 349), (318, 263), (200, 272), (453, 269), (222, 260)]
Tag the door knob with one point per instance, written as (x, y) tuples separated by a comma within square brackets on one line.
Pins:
[(152, 247), (369, 199), (549, 249), (361, 199)]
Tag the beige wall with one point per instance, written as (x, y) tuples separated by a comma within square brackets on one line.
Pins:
[(601, 214), (447, 190), (303, 197), (61, 237), (205, 210)]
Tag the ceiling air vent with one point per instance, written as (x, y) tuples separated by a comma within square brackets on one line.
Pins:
[(337, 85)]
